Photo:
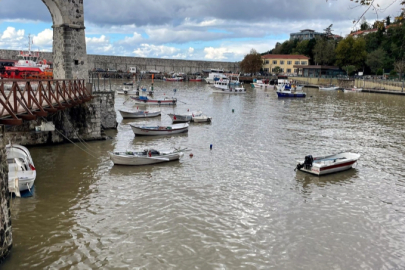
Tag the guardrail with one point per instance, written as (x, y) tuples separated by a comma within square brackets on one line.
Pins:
[(27, 99)]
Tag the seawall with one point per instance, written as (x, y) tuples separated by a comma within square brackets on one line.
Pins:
[(85, 121), (6, 236), (124, 62)]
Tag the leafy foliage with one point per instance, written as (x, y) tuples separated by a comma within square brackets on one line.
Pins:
[(252, 62)]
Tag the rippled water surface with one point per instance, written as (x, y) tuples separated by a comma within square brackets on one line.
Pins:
[(237, 206)]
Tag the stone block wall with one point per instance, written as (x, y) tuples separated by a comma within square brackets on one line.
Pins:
[(84, 120), (6, 236), (125, 62)]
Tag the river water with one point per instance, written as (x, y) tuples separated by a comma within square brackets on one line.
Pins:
[(240, 205)]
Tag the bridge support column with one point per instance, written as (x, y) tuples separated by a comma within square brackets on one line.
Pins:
[(69, 41)]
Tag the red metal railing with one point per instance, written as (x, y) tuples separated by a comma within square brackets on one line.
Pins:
[(27, 99)]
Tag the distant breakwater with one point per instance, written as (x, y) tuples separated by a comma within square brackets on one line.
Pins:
[(123, 63)]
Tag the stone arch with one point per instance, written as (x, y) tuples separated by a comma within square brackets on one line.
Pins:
[(69, 42), (55, 11)]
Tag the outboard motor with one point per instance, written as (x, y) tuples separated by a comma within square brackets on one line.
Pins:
[(308, 162)]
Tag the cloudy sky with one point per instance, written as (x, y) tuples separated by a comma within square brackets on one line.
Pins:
[(220, 30)]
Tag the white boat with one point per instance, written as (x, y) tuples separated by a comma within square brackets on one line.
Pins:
[(138, 114), (290, 92), (328, 88), (328, 164), (146, 157), (180, 118), (199, 117), (152, 101), (354, 89), (127, 91), (289, 86), (224, 87), (173, 79), (260, 84), (215, 76), (160, 130), (21, 169)]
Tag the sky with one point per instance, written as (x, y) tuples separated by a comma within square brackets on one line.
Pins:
[(211, 30)]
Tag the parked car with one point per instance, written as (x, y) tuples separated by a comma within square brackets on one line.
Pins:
[(111, 70), (99, 70)]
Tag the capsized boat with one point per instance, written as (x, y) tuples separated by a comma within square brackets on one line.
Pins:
[(328, 88), (146, 157), (290, 92), (160, 130), (138, 114), (21, 169), (152, 101), (328, 164)]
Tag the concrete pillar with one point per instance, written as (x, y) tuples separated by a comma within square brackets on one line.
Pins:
[(69, 41)]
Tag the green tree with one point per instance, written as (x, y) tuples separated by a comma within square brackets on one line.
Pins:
[(252, 62), (324, 51), (364, 25), (349, 69), (375, 59), (277, 70), (351, 51)]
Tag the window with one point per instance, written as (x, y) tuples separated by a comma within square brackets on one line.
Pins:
[(274, 62), (289, 62), (303, 62), (267, 62), (296, 70), (297, 62), (288, 70), (281, 62), (266, 70)]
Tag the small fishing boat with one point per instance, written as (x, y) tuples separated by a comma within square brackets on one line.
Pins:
[(138, 114), (127, 91), (160, 130), (260, 83), (146, 157), (289, 86), (174, 79), (290, 92), (354, 89), (21, 169), (224, 87), (328, 88), (328, 164), (180, 118), (199, 117), (197, 79), (151, 101)]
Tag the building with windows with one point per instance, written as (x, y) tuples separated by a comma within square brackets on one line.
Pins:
[(285, 61), (319, 71), (305, 34)]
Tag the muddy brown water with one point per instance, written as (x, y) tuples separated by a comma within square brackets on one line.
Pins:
[(240, 205)]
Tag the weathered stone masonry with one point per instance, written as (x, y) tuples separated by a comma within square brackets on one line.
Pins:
[(86, 121), (6, 239)]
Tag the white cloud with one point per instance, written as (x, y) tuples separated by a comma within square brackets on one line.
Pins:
[(212, 53), (190, 50), (12, 34), (45, 38)]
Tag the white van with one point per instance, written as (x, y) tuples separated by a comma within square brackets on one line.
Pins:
[(132, 70)]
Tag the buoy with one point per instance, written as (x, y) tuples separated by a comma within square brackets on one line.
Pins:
[(233, 110), (191, 155), (210, 146)]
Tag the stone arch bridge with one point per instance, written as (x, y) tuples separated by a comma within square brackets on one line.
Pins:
[(69, 42)]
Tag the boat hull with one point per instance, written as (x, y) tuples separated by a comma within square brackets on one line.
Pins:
[(180, 118), (154, 101), (291, 95), (143, 160), (152, 131), (328, 88), (352, 90), (330, 164), (139, 114)]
